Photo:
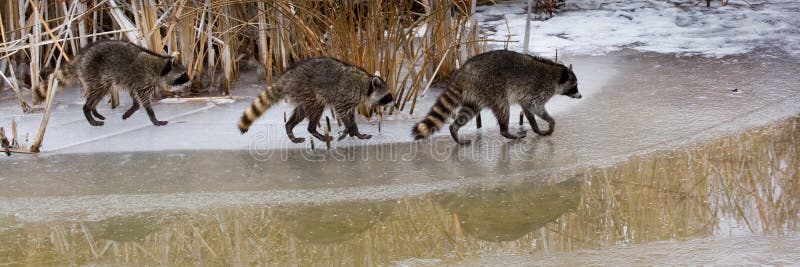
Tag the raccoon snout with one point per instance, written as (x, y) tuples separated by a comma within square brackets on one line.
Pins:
[(576, 95), (386, 99)]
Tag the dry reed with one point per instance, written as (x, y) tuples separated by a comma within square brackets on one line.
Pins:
[(412, 43)]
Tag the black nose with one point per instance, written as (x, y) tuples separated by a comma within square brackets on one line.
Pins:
[(386, 99), (182, 79)]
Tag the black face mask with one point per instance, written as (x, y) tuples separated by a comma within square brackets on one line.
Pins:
[(571, 91), (386, 99), (182, 79)]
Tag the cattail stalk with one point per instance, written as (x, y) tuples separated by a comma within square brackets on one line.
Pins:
[(14, 140), (526, 39)]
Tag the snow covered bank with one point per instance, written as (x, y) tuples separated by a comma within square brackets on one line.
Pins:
[(685, 27)]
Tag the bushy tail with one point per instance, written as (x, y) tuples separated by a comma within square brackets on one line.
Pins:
[(4, 144), (66, 74), (265, 100), (445, 105)]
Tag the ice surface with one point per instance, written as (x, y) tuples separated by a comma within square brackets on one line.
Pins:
[(683, 27), (634, 104), (749, 250)]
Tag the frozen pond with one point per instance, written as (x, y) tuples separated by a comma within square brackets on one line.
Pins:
[(657, 155), (732, 200)]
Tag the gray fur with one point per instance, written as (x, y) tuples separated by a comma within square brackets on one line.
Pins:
[(109, 65), (4, 143), (315, 83), (496, 80)]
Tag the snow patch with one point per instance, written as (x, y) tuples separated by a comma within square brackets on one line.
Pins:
[(222, 101), (596, 28), (172, 100)]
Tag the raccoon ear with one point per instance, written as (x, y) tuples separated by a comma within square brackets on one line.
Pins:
[(564, 75), (377, 73), (374, 84), (174, 58), (570, 66), (167, 68)]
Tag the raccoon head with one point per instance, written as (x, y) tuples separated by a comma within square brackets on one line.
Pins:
[(378, 91), (174, 73), (568, 83)]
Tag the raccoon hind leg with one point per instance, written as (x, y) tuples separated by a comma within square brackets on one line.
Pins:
[(95, 93), (542, 113), (97, 114), (501, 112), (349, 119), (314, 115), (465, 114), (297, 116), (133, 108)]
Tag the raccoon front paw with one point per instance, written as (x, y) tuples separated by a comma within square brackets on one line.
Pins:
[(96, 123), (297, 140), (363, 136), (126, 115), (160, 123)]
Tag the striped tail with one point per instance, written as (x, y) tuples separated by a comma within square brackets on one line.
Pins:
[(39, 93), (4, 144), (65, 74), (445, 105), (265, 100)]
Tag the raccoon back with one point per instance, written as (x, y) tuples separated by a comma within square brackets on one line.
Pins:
[(307, 83), (326, 79), (509, 75), (118, 62)]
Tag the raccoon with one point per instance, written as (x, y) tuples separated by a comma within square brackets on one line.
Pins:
[(39, 93), (315, 83), (496, 80), (4, 144), (110, 65)]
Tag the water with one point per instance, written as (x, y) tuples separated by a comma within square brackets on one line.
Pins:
[(660, 159)]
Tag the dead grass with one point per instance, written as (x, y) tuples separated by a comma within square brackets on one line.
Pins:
[(409, 42)]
